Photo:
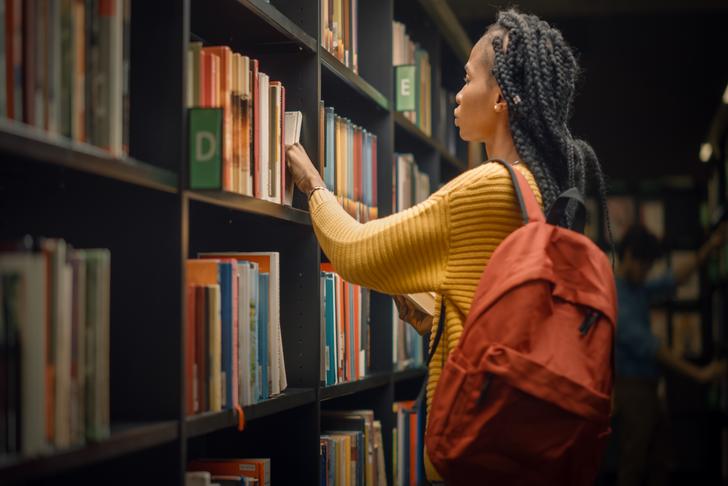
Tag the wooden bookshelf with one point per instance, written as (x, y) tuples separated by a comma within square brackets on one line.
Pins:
[(140, 208)]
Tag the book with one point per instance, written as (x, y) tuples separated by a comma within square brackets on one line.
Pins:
[(423, 301), (259, 469)]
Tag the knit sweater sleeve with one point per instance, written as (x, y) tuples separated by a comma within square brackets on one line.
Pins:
[(402, 253)]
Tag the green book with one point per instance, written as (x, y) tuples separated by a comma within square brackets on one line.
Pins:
[(205, 148), (406, 87)]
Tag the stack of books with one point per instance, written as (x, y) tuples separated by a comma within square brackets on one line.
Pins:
[(234, 354), (405, 52), (65, 68), (54, 346), (345, 337), (409, 442), (339, 30), (350, 449), (228, 472), (350, 164), (237, 125)]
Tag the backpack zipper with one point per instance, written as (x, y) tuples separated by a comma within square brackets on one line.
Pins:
[(484, 389), (590, 319)]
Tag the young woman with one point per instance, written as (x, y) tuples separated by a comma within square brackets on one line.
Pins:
[(517, 99)]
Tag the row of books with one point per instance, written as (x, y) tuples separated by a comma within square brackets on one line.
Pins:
[(416, 103), (408, 439), (54, 346), (447, 131), (238, 125), (234, 348), (64, 68), (350, 164), (351, 449), (339, 30), (411, 185), (228, 472), (345, 334)]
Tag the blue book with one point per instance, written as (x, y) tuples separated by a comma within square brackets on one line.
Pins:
[(330, 167), (263, 334), (254, 368), (330, 316), (226, 321)]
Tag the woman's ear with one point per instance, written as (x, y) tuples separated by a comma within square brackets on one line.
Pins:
[(500, 105)]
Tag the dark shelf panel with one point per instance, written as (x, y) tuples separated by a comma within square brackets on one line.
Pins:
[(206, 423), (254, 21), (409, 374), (405, 127), (249, 204), (334, 70), (125, 438), (373, 381), (24, 141)]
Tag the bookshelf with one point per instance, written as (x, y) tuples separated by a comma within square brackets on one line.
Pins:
[(140, 208), (714, 281)]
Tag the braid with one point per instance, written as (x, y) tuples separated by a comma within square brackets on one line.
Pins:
[(537, 72)]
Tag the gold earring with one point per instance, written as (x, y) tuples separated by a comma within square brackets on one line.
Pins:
[(495, 107)]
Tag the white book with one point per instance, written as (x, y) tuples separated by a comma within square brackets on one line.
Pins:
[(244, 333), (33, 314), (98, 276), (263, 135), (247, 93), (293, 122), (197, 478)]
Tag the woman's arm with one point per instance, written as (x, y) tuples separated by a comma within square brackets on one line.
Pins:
[(402, 253)]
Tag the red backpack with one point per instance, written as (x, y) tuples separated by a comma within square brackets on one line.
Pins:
[(525, 397)]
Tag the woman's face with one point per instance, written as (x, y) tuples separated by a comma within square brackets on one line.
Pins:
[(475, 115)]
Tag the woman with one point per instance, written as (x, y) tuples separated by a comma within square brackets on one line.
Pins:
[(517, 99)]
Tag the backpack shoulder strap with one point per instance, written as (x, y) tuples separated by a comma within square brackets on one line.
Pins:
[(530, 209)]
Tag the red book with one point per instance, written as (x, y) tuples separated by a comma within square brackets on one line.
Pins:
[(225, 102), (282, 169), (205, 80), (357, 164)]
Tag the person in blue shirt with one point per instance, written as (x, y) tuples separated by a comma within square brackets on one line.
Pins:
[(640, 357)]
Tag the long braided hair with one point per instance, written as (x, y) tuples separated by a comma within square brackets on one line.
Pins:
[(537, 72)]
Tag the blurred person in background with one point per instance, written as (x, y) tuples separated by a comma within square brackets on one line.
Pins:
[(644, 441)]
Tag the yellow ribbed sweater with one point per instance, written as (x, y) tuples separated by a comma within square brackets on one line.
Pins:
[(441, 245)]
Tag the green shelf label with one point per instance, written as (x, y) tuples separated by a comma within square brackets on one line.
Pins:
[(205, 148)]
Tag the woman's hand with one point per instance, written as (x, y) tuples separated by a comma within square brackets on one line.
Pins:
[(304, 173), (421, 321)]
